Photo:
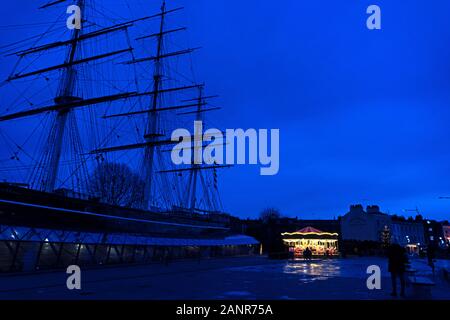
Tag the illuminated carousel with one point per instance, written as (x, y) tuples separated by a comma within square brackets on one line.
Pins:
[(319, 242)]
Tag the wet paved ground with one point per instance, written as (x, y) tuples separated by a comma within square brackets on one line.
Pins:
[(226, 278)]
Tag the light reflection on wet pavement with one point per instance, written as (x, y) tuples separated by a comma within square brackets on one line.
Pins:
[(246, 278), (315, 279), (312, 270), (316, 269)]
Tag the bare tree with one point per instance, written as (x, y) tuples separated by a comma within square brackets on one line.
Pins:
[(117, 184), (269, 214)]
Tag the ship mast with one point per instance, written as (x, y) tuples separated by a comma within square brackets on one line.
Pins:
[(153, 132), (196, 170), (45, 172), (65, 96), (192, 187), (153, 116)]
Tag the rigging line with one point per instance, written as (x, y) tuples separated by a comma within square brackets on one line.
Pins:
[(24, 41), (174, 70), (168, 78), (46, 155), (104, 61), (110, 83), (29, 166), (35, 162), (47, 81), (93, 24), (21, 94), (105, 80), (207, 188), (29, 138), (33, 175), (13, 143), (144, 70), (191, 62), (67, 64), (83, 161), (77, 150), (47, 86), (111, 133), (5, 138), (20, 41), (103, 8), (116, 130), (68, 135), (131, 107), (107, 127), (39, 39), (22, 147), (31, 63), (192, 67), (179, 74), (134, 59), (173, 199), (28, 24)]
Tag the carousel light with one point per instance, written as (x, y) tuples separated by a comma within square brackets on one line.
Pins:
[(309, 233)]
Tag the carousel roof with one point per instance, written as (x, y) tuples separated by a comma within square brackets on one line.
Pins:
[(310, 231)]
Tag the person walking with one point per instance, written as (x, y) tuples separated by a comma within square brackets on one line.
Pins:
[(397, 260), (430, 257), (307, 254)]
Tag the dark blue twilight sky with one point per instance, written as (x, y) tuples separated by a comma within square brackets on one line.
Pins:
[(363, 115)]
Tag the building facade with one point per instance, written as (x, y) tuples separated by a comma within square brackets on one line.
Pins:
[(371, 230), (434, 233), (408, 233), (446, 232), (364, 225)]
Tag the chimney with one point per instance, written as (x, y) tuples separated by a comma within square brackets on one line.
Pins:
[(356, 208), (373, 209)]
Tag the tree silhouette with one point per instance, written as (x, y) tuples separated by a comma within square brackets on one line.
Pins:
[(269, 214), (117, 184)]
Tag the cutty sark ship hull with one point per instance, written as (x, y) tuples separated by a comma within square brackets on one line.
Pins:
[(92, 157), (25, 207)]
